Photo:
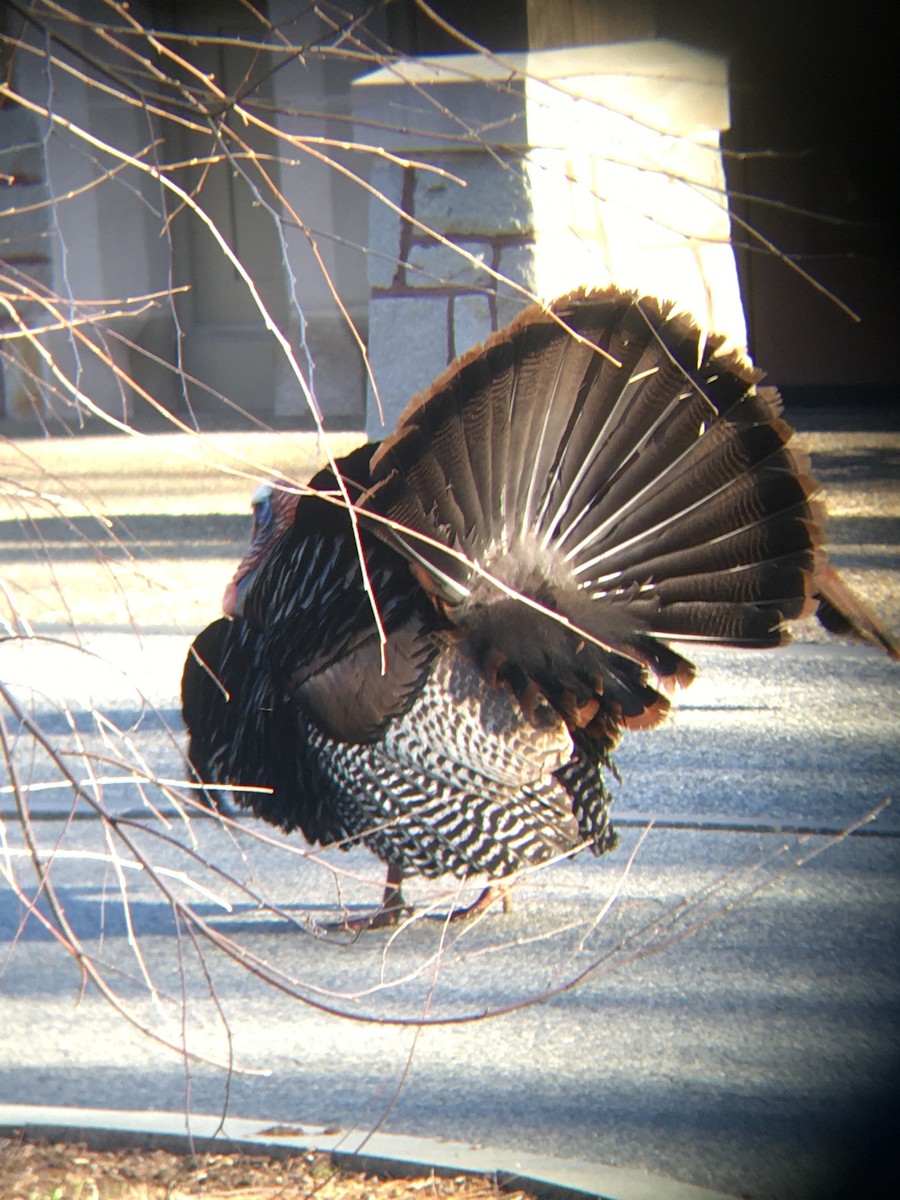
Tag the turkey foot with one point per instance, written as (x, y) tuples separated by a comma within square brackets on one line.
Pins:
[(387, 914), (393, 906), (489, 896)]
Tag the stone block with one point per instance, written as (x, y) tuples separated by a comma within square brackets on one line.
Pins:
[(24, 221), (26, 241), (489, 195), (408, 348), (516, 264), (385, 223), (429, 101), (21, 148), (434, 264), (471, 322)]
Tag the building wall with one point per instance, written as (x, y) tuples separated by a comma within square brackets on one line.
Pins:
[(163, 318)]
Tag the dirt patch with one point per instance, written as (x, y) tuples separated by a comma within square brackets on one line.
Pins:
[(72, 1171)]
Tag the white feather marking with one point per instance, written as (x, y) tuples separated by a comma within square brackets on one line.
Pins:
[(639, 497), (633, 450), (610, 422), (655, 529), (537, 458), (636, 378)]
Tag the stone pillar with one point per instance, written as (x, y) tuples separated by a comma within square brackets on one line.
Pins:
[(531, 175)]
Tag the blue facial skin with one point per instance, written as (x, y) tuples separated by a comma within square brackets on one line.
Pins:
[(263, 512)]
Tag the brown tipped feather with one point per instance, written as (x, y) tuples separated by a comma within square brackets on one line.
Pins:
[(842, 612)]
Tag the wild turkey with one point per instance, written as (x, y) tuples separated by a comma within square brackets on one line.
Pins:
[(595, 483)]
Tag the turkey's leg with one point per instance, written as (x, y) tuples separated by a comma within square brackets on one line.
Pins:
[(392, 905)]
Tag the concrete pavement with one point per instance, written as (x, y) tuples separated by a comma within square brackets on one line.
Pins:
[(721, 1010)]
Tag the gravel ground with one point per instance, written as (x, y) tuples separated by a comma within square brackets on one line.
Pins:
[(74, 1171)]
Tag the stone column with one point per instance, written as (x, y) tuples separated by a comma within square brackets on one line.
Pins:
[(528, 175)]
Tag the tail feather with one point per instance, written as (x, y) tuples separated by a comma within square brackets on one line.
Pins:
[(655, 451), (676, 468), (601, 418), (722, 622), (747, 502), (558, 376), (481, 430), (665, 482), (755, 583), (781, 538), (842, 612)]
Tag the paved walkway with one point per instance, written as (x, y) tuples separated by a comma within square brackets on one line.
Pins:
[(716, 1004)]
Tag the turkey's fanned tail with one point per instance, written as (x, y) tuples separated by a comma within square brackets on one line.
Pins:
[(615, 468)]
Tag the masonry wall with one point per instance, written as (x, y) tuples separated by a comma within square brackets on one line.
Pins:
[(445, 255), (505, 180)]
